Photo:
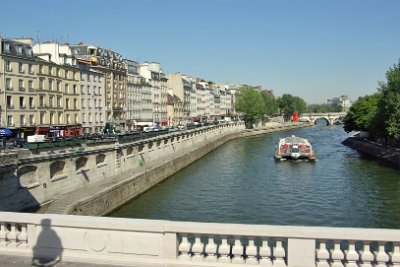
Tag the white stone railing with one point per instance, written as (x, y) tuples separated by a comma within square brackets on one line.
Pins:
[(116, 241)]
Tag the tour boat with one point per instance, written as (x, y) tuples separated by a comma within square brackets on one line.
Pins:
[(294, 148)]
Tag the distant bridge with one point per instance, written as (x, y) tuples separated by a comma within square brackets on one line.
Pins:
[(329, 117)]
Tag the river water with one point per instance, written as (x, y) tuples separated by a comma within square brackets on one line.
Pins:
[(241, 183)]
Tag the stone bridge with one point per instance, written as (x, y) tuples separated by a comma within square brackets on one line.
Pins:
[(330, 117)]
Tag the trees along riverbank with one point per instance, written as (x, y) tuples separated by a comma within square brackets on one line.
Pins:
[(379, 114), (256, 105)]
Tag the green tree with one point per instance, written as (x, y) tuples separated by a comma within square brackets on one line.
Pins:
[(250, 102), (289, 104), (270, 104), (388, 114), (362, 114)]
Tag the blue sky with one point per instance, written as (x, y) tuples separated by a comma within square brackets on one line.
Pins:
[(308, 48)]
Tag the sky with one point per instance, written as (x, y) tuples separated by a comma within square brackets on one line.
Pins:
[(314, 49)]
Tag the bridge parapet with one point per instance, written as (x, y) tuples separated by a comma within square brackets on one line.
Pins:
[(118, 241)]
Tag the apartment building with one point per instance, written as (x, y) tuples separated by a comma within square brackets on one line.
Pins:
[(92, 91), (112, 66), (58, 90), (153, 74), (139, 106), (18, 83)]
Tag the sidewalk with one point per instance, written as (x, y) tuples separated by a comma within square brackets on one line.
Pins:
[(15, 261)]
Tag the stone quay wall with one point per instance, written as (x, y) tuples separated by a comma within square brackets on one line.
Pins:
[(116, 195), (384, 154), (118, 171)]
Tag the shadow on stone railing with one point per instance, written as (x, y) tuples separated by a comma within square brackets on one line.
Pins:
[(117, 241)]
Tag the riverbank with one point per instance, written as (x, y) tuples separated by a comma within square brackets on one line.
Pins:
[(102, 198), (387, 155)]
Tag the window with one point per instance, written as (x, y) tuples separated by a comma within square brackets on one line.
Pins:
[(83, 103), (83, 117), (41, 84), (41, 69), (21, 85), (30, 69), (82, 91), (60, 118), (59, 101), (7, 47), (31, 119), (50, 70), (30, 85), (8, 65), (74, 89), (51, 85), (9, 102), (90, 117), (8, 84), (42, 118), (88, 77), (22, 102), (51, 101), (52, 118), (31, 103), (76, 118), (58, 86), (41, 101), (88, 90), (21, 67), (28, 51), (10, 121), (67, 103), (58, 72), (68, 119), (75, 103), (22, 120), (66, 74), (66, 88), (19, 49)]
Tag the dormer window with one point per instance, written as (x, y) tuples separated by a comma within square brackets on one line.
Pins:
[(7, 47), (19, 50)]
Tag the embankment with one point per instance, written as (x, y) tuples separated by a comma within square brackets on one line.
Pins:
[(387, 155), (109, 198)]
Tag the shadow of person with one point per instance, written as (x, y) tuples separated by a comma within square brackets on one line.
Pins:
[(48, 249)]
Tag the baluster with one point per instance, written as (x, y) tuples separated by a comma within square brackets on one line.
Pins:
[(12, 235), (22, 236), (395, 255), (323, 255), (184, 249), (3, 240), (337, 255), (351, 255), (265, 253), (211, 250), (237, 251), (380, 256), (366, 256), (251, 253), (224, 250), (279, 254), (197, 249)]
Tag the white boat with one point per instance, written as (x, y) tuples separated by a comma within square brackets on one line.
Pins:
[(294, 148)]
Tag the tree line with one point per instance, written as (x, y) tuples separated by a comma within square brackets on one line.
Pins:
[(257, 105), (379, 114)]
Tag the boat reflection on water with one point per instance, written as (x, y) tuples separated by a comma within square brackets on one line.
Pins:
[(295, 148)]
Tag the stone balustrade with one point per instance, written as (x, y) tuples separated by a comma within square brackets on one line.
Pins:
[(134, 242)]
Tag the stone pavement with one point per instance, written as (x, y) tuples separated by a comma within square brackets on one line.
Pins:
[(17, 261)]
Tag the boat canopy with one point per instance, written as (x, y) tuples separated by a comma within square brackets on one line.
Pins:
[(294, 140)]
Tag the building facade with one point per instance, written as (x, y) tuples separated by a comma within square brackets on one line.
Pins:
[(112, 66), (18, 84)]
